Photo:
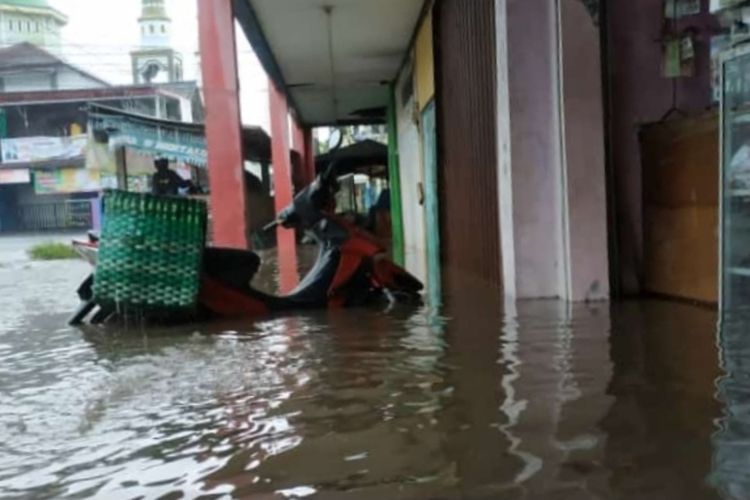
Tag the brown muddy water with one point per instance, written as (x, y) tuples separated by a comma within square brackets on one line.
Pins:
[(474, 400)]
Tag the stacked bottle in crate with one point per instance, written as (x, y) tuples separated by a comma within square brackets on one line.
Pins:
[(150, 252)]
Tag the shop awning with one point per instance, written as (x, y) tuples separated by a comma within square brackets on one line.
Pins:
[(178, 141), (334, 59)]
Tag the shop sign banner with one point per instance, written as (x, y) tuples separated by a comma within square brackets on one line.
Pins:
[(15, 176), (3, 123), (187, 146), (36, 149), (717, 5), (66, 180)]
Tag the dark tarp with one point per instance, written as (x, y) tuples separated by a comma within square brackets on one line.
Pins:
[(364, 157)]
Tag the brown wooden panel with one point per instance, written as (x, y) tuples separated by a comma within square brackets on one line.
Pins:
[(467, 155), (680, 194), (680, 162), (682, 252)]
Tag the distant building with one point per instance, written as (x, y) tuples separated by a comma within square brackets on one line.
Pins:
[(46, 176), (44, 182), (155, 61), (45, 179), (26, 67), (33, 21)]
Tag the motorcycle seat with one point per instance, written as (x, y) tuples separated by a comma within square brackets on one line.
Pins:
[(235, 268)]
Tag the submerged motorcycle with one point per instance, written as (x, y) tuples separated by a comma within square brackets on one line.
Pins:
[(352, 267)]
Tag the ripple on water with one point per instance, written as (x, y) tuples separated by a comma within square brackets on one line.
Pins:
[(544, 401)]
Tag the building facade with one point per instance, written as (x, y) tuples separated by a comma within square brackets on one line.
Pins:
[(32, 21), (553, 148)]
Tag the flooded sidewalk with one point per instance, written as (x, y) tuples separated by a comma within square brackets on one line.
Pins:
[(475, 400)]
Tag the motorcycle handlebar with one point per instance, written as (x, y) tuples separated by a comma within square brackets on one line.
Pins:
[(272, 225), (288, 219), (315, 197)]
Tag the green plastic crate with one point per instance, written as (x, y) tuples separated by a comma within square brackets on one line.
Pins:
[(150, 252)]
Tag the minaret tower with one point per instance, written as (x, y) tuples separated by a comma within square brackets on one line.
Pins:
[(155, 61)]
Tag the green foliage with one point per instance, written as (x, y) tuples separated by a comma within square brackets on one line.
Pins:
[(52, 251)]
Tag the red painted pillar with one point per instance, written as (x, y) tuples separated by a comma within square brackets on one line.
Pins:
[(282, 181), (223, 123)]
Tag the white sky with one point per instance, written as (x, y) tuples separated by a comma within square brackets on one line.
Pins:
[(101, 33)]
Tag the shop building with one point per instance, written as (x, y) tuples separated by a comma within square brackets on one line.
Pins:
[(556, 149)]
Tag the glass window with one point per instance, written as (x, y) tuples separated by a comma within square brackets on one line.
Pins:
[(736, 182), (151, 29)]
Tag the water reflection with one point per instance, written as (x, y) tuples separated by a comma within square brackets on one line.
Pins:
[(730, 472), (477, 400), (659, 425), (535, 401)]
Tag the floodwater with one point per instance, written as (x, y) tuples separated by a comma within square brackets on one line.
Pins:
[(474, 400)]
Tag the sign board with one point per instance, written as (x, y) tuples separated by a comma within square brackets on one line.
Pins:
[(15, 176), (3, 123), (66, 180), (177, 143), (37, 149)]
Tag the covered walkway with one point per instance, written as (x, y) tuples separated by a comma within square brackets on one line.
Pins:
[(496, 132)]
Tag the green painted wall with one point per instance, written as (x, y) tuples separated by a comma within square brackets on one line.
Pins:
[(397, 221)]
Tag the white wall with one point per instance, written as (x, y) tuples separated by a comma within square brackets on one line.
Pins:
[(551, 157), (584, 159), (156, 33), (43, 80), (68, 79), (531, 179), (411, 170), (24, 82), (186, 110)]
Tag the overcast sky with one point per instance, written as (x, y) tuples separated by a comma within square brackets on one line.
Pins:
[(101, 34)]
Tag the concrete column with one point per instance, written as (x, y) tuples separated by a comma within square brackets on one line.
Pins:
[(582, 112), (550, 141), (223, 123), (121, 167), (283, 189)]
